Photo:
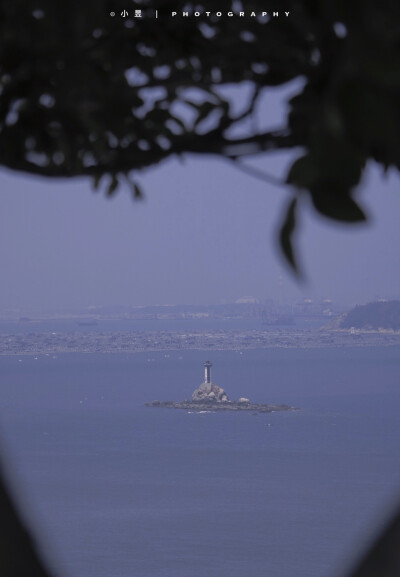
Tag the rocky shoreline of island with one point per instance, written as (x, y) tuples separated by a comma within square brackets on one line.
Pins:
[(214, 406)]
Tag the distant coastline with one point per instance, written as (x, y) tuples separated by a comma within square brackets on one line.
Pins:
[(210, 340), (378, 316)]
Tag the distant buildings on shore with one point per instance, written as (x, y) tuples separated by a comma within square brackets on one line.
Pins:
[(247, 307)]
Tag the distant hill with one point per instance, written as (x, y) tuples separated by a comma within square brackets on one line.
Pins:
[(373, 316)]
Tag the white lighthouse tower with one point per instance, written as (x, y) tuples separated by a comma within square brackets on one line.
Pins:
[(209, 391), (207, 372)]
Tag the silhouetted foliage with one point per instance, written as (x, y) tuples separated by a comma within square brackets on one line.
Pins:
[(83, 93)]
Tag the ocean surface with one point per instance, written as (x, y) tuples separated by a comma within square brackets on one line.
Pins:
[(117, 489)]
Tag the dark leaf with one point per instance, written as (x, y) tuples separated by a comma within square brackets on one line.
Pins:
[(96, 181), (137, 192), (303, 172), (286, 236), (338, 207), (113, 185)]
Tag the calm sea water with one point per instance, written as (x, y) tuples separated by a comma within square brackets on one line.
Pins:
[(117, 489)]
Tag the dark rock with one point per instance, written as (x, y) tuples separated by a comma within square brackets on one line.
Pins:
[(211, 392)]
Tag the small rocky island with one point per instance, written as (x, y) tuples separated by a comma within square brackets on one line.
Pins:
[(210, 397)]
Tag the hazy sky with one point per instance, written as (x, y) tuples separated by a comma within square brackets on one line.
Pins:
[(204, 234)]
